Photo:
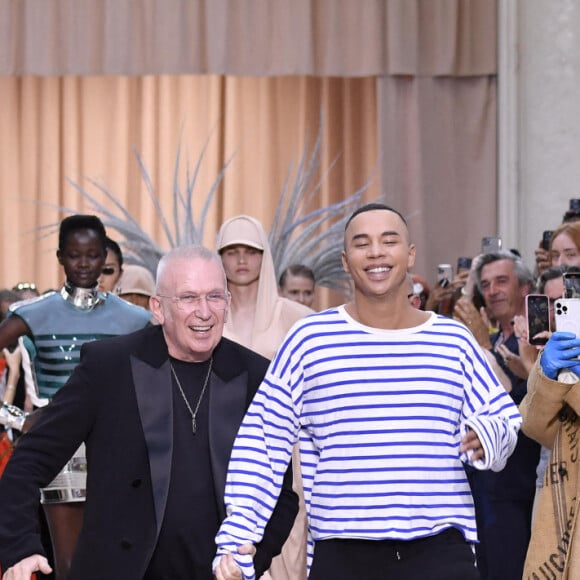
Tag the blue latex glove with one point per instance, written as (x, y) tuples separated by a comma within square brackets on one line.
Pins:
[(561, 352)]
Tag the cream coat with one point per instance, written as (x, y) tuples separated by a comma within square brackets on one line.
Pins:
[(550, 412), (274, 318)]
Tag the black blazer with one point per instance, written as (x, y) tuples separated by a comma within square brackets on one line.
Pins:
[(119, 402)]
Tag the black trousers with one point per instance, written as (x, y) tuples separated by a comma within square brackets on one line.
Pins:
[(504, 535), (445, 556)]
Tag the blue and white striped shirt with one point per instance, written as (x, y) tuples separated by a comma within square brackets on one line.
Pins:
[(379, 414)]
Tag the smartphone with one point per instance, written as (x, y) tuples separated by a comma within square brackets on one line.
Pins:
[(574, 204), (567, 315), (490, 245), (572, 284), (444, 274), (546, 237), (538, 317), (463, 263)]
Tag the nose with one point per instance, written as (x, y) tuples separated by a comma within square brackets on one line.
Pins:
[(202, 309), (242, 258), (375, 249)]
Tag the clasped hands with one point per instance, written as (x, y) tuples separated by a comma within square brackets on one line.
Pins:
[(227, 568)]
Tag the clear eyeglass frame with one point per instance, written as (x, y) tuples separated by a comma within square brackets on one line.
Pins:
[(189, 301)]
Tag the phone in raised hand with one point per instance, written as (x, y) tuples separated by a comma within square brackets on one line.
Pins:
[(444, 275), (538, 317), (567, 315), (490, 244)]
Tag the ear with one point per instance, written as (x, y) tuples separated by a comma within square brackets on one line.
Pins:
[(525, 290), (411, 256), (59, 257), (345, 262), (156, 309), (228, 306)]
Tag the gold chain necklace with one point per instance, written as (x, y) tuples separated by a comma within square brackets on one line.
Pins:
[(193, 413)]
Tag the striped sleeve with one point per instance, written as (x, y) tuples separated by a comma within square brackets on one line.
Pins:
[(489, 411), (260, 457)]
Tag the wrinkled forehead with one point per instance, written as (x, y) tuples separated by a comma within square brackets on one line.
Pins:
[(194, 275), (498, 268)]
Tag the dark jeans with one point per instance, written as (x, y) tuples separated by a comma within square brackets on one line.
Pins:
[(445, 556)]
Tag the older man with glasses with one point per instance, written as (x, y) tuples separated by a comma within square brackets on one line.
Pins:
[(159, 411)]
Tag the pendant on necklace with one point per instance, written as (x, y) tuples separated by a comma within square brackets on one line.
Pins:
[(193, 426)]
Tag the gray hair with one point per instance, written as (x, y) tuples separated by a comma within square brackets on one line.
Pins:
[(523, 273), (190, 252)]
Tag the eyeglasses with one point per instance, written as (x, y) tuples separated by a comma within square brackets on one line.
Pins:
[(217, 300), (108, 271)]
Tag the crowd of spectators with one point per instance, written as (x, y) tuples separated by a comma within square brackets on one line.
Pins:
[(486, 294)]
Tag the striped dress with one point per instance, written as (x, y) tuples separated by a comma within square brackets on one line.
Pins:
[(380, 414)]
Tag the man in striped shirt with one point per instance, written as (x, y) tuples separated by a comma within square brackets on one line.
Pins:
[(389, 402)]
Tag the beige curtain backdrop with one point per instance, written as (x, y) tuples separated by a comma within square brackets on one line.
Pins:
[(406, 87), (248, 37), (438, 165)]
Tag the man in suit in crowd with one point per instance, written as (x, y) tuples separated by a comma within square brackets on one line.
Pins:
[(159, 410), (503, 500)]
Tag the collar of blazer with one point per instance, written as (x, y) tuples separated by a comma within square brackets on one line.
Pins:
[(229, 392)]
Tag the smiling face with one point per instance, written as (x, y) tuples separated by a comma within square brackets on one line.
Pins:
[(191, 332), (504, 297), (82, 256), (378, 254)]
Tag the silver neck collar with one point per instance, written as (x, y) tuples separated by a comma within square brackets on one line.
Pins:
[(81, 298)]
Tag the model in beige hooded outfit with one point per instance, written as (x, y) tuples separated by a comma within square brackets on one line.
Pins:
[(550, 413), (273, 318)]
